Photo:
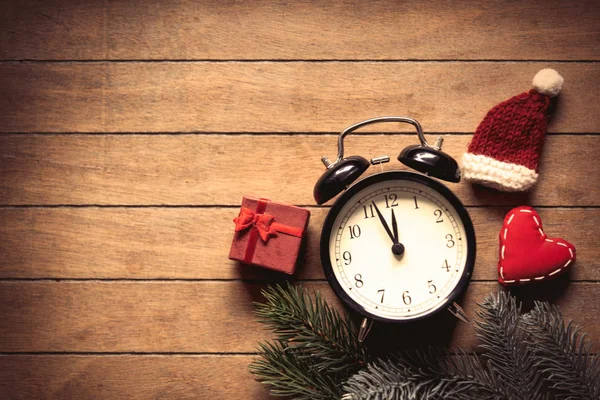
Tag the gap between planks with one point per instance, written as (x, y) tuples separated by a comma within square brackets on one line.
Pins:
[(42, 206), (285, 134), (297, 60), (192, 280), (126, 354)]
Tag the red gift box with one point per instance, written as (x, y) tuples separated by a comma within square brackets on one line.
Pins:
[(268, 234)]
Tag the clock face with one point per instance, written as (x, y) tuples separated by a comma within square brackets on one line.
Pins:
[(405, 276)]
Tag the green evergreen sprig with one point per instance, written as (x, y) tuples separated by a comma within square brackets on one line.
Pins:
[(312, 339), (288, 374)]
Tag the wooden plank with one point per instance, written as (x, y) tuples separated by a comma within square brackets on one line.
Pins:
[(276, 97), (209, 316), (350, 29), (193, 243), (127, 377), (220, 169)]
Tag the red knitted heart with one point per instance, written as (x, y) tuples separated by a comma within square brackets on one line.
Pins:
[(527, 254)]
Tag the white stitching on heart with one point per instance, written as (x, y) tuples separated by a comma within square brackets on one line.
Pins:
[(537, 278), (555, 272)]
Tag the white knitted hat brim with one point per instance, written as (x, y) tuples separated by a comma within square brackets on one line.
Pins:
[(500, 175)]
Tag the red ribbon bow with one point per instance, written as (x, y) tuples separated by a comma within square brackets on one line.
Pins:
[(262, 222)]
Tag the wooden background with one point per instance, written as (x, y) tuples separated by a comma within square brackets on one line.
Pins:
[(131, 129)]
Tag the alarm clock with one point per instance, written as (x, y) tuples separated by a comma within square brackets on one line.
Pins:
[(396, 246)]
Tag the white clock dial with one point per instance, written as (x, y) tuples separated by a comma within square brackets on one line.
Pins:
[(410, 285)]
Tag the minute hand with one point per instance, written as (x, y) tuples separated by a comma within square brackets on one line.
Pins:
[(384, 223), (395, 227)]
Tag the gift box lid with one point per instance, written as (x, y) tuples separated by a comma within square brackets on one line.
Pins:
[(284, 213)]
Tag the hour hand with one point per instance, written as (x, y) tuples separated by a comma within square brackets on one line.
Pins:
[(384, 223)]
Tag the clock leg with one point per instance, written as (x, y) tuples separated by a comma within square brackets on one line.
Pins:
[(365, 328), (458, 312)]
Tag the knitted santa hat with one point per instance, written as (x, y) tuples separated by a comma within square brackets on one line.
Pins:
[(507, 144)]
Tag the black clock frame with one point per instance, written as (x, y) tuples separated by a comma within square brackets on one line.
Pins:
[(397, 175)]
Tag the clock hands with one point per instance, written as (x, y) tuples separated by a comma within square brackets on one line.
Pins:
[(397, 248)]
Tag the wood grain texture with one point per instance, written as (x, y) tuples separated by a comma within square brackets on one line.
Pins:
[(193, 243), (220, 169), (210, 316), (316, 67), (350, 29), (276, 97), (77, 377)]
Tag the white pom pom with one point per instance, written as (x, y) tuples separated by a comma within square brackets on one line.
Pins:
[(548, 82)]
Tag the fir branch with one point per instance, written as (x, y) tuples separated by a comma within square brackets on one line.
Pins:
[(382, 380), (315, 349), (507, 354), (563, 353), (429, 369), (291, 375), (312, 328), (483, 382)]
